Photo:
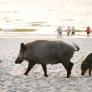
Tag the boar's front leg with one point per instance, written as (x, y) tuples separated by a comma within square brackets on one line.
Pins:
[(30, 65), (44, 69), (89, 71)]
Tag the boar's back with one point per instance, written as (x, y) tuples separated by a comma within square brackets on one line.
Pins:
[(50, 52)]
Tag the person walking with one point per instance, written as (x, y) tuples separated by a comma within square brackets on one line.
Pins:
[(59, 31), (73, 30), (68, 30), (88, 30)]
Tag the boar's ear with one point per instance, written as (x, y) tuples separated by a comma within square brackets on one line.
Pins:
[(23, 47)]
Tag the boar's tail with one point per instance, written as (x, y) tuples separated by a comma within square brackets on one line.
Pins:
[(76, 47)]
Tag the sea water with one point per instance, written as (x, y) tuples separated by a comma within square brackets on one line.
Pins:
[(45, 14)]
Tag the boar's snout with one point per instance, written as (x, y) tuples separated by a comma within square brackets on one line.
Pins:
[(18, 60)]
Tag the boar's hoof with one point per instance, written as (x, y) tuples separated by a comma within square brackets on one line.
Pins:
[(26, 74), (46, 75)]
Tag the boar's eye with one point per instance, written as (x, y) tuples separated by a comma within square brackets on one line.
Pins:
[(21, 52)]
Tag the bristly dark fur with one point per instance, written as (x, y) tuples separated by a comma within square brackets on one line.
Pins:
[(47, 52), (87, 65)]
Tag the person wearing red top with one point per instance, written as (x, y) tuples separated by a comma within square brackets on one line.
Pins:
[(88, 30)]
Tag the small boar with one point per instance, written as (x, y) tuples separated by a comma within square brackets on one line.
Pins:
[(87, 65), (47, 52)]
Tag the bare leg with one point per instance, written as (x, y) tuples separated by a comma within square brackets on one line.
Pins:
[(89, 71), (44, 69), (29, 68)]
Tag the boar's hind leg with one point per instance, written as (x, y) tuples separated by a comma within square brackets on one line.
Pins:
[(44, 69), (29, 68), (89, 71), (68, 68)]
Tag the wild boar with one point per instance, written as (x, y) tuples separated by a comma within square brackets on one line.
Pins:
[(87, 65), (47, 52)]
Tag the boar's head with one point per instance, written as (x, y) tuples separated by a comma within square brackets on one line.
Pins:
[(21, 56), (83, 68)]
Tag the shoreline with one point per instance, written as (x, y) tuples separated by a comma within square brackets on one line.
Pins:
[(39, 34)]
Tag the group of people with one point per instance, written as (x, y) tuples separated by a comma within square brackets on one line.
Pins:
[(71, 31)]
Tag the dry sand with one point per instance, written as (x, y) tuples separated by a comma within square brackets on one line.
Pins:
[(13, 80)]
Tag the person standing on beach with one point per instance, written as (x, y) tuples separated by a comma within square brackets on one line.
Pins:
[(73, 30), (59, 31), (88, 30), (68, 30)]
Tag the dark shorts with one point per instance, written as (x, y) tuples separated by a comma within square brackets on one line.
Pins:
[(73, 33), (60, 33), (88, 32)]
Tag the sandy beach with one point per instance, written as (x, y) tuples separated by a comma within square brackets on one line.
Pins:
[(42, 18), (13, 80)]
